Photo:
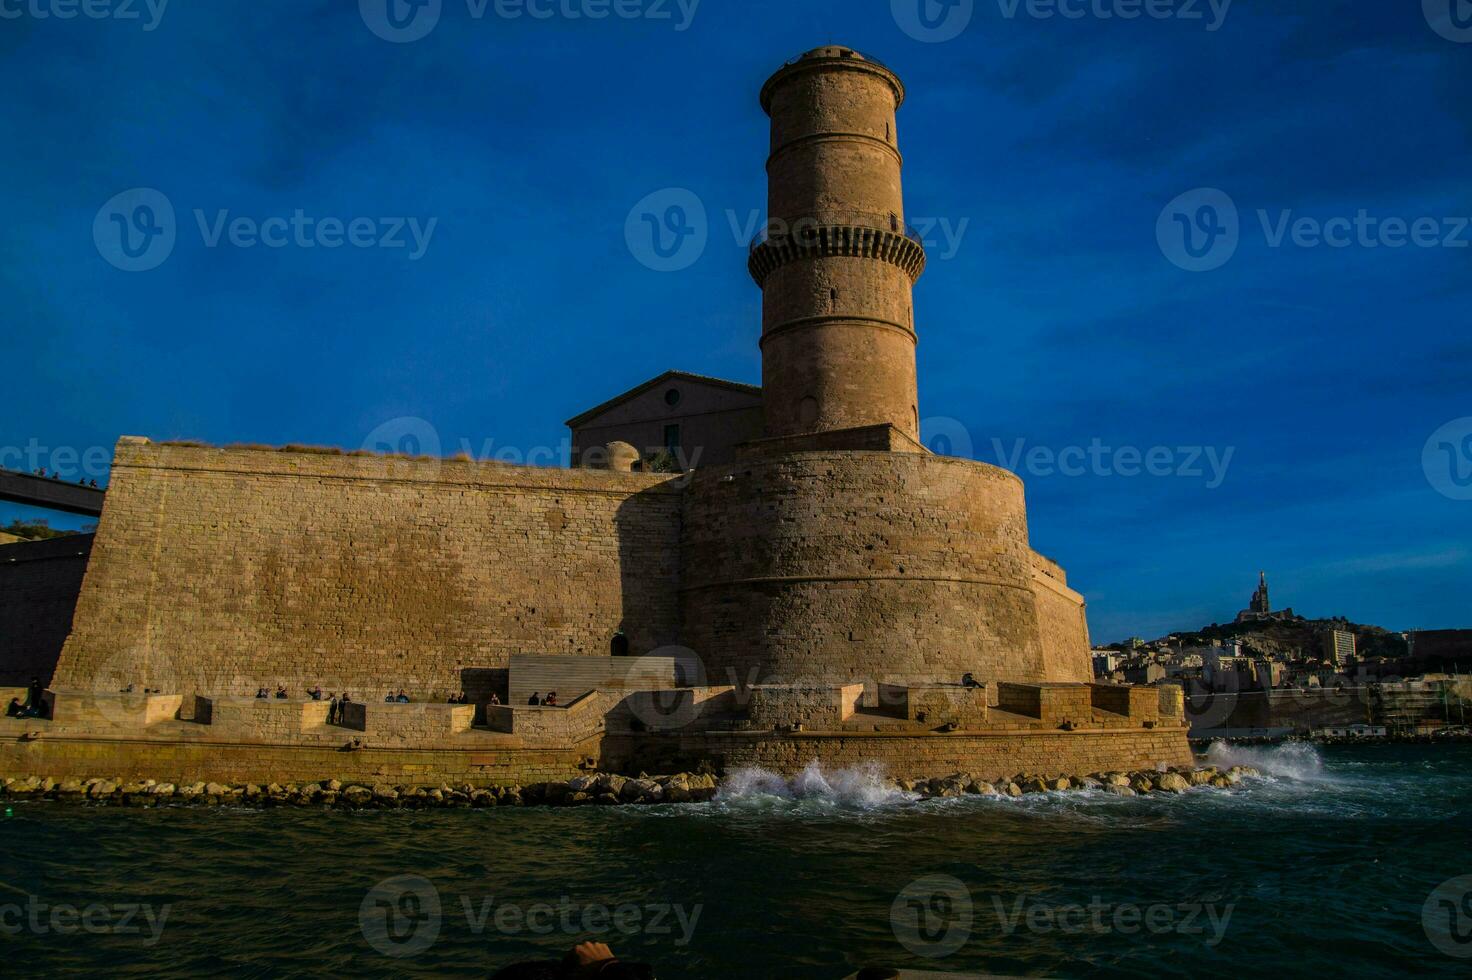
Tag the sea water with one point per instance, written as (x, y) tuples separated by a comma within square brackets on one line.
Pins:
[(1338, 862)]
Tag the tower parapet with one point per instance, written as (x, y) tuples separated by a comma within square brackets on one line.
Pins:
[(837, 263)]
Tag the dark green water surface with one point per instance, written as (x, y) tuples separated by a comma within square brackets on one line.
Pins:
[(1324, 869)]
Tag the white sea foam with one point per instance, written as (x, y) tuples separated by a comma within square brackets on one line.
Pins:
[(1296, 761), (862, 786)]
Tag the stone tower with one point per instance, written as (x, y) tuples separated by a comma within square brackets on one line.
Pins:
[(836, 264)]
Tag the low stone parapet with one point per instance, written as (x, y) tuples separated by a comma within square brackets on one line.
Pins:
[(572, 723), (818, 707), (418, 723), (1052, 705), (261, 719), (572, 677), (121, 712)]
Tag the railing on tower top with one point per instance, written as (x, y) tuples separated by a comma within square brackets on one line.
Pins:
[(850, 52), (803, 232)]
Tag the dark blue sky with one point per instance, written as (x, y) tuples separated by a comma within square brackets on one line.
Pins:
[(1057, 318)]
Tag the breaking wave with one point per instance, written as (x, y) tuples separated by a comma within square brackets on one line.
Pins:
[(863, 786), (1297, 761)]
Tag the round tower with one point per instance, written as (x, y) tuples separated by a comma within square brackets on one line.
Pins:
[(836, 264)]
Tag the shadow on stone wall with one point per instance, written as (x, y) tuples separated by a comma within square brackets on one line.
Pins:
[(648, 528), (39, 585)]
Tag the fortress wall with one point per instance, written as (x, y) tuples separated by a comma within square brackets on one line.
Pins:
[(216, 571), (990, 756), (859, 566), (39, 584), (1063, 622)]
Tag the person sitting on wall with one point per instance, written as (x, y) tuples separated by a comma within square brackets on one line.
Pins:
[(262, 694), (551, 701), (389, 698), (968, 681), (315, 693), (402, 698), (495, 699), (281, 693), (16, 710), (534, 700), (127, 690)]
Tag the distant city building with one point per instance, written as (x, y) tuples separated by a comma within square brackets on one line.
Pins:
[(1352, 731), (1144, 674), (1105, 662), (1260, 608), (1339, 648)]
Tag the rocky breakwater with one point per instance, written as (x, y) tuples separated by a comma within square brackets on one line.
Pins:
[(604, 789), (1138, 783)]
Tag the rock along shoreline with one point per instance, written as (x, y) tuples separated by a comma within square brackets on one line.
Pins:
[(599, 789)]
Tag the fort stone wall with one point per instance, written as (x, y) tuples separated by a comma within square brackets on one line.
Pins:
[(217, 571), (1063, 624), (843, 566)]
